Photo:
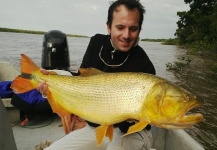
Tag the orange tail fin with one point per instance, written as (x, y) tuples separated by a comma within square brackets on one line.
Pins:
[(23, 83), (27, 65)]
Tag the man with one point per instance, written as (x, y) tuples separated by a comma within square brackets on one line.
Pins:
[(117, 52)]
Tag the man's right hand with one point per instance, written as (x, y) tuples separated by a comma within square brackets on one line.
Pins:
[(44, 71), (42, 87)]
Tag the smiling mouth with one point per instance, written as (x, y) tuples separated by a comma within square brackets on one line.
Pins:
[(125, 43)]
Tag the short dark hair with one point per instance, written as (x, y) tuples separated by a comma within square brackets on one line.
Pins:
[(130, 4)]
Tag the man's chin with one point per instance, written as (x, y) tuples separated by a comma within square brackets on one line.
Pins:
[(124, 48)]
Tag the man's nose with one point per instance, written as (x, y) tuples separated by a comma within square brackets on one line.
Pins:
[(126, 33)]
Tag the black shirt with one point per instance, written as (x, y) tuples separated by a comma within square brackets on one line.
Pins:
[(135, 60), (138, 61)]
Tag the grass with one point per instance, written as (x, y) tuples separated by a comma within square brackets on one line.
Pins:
[(179, 65)]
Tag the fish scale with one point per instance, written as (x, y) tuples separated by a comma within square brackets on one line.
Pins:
[(110, 98), (118, 100)]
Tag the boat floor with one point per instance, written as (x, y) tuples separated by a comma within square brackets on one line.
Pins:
[(27, 138)]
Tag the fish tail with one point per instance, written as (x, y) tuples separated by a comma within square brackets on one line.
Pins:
[(27, 65), (21, 85), (24, 82)]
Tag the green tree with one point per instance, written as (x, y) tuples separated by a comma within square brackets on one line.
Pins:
[(198, 25)]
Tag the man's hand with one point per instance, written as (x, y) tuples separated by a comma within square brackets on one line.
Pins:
[(72, 122), (42, 87), (45, 72)]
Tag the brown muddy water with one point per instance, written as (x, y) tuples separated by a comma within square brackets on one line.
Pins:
[(195, 78), (198, 79)]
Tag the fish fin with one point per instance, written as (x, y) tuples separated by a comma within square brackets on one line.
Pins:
[(27, 65), (21, 85), (136, 128), (65, 121), (56, 107), (84, 72), (101, 132), (109, 132)]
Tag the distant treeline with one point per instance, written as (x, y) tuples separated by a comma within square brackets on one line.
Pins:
[(32, 32), (153, 40), (163, 41), (20, 31)]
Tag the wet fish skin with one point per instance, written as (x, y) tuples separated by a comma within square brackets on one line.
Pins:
[(110, 98)]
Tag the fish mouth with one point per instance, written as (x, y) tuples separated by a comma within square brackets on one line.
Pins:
[(186, 120), (189, 118), (194, 105)]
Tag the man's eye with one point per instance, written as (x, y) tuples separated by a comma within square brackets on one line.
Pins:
[(134, 29), (120, 28)]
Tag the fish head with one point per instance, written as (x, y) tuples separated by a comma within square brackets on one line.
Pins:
[(168, 106)]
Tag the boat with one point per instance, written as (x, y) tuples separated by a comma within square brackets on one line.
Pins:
[(20, 138)]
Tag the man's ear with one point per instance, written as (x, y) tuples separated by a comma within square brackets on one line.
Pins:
[(109, 28)]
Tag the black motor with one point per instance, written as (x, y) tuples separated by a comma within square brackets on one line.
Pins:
[(55, 52)]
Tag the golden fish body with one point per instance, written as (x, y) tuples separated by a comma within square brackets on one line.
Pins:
[(109, 98), (106, 98)]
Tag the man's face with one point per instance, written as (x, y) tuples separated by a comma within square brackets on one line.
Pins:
[(124, 29)]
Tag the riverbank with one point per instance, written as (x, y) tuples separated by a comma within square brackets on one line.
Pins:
[(34, 32), (198, 78)]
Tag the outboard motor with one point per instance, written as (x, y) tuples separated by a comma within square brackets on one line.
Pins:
[(55, 52)]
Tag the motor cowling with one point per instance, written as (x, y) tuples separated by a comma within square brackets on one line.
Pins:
[(55, 52)]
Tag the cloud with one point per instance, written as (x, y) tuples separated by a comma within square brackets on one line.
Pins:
[(84, 17)]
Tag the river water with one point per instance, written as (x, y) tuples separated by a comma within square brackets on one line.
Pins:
[(13, 44)]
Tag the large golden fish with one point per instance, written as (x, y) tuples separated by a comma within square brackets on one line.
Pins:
[(109, 98)]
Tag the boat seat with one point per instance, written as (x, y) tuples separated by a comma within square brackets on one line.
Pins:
[(12, 112), (7, 73), (7, 141)]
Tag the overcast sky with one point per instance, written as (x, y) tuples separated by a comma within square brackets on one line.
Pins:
[(86, 17)]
